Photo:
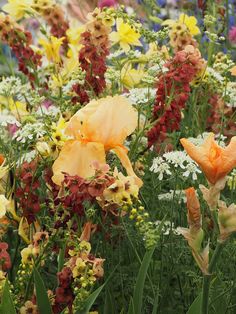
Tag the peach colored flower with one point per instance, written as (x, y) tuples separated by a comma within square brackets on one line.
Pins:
[(195, 235), (100, 126), (216, 162)]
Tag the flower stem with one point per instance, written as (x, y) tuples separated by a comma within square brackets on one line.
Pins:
[(207, 278)]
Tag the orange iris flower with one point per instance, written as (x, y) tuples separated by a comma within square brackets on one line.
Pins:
[(100, 126), (216, 162)]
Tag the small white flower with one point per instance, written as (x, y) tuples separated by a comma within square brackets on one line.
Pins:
[(191, 169)]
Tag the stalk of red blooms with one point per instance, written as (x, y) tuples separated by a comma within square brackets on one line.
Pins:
[(173, 90), (218, 109), (5, 261), (20, 40), (92, 59), (64, 293), (55, 17), (26, 193)]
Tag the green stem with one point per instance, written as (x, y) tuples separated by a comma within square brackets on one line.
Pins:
[(207, 278)]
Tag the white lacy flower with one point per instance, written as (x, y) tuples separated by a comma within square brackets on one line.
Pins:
[(141, 95), (10, 86), (6, 118), (29, 132), (160, 167), (50, 111), (231, 94), (169, 196), (27, 157), (215, 74), (177, 158), (191, 169)]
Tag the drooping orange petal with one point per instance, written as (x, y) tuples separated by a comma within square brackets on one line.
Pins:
[(228, 159), (216, 162), (121, 153), (201, 156), (193, 206), (76, 158), (233, 70)]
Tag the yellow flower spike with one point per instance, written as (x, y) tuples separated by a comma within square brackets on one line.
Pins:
[(191, 23), (90, 141), (52, 48), (17, 9), (125, 35)]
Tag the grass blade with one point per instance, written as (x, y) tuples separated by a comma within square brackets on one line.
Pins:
[(43, 303), (7, 305)]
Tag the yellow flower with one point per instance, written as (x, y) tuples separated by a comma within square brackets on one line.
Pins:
[(18, 8), (121, 190), (79, 267), (125, 35), (17, 108), (58, 136), (131, 77), (28, 254), (190, 22), (4, 203), (52, 48), (73, 34)]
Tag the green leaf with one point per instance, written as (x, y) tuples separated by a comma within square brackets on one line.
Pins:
[(90, 300), (43, 303), (7, 305), (195, 307), (61, 257), (138, 290)]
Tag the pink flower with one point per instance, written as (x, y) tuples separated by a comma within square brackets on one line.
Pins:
[(107, 3), (232, 35)]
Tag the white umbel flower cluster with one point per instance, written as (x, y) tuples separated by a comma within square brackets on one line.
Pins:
[(30, 132), (172, 161), (140, 96), (10, 86)]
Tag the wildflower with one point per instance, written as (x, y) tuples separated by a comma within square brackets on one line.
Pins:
[(121, 191), (227, 220), (18, 8), (29, 307), (5, 260), (52, 48), (232, 35), (190, 22), (126, 35), (91, 141), (216, 162), (131, 77), (28, 254), (194, 235)]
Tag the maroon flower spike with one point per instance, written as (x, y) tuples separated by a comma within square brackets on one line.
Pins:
[(5, 261)]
